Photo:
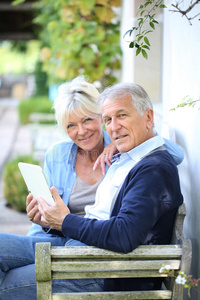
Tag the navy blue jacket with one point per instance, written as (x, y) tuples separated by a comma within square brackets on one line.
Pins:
[(144, 211)]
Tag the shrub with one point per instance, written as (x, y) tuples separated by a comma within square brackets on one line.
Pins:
[(15, 190), (34, 105), (41, 87)]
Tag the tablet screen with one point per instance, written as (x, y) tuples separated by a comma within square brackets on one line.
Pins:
[(36, 182)]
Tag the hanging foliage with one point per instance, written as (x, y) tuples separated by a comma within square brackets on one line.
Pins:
[(79, 37)]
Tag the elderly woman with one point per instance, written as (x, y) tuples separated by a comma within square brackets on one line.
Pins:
[(69, 164), (69, 168)]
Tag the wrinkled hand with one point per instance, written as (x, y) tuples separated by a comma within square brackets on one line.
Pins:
[(53, 215), (105, 157), (33, 212)]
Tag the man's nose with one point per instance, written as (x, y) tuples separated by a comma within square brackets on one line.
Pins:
[(115, 125)]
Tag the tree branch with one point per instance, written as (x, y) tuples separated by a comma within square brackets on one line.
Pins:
[(185, 12)]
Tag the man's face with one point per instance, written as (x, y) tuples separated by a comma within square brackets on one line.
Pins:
[(126, 128)]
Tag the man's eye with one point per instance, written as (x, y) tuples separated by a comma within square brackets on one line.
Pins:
[(107, 121), (122, 115)]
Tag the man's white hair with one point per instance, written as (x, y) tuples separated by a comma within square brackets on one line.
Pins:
[(140, 98)]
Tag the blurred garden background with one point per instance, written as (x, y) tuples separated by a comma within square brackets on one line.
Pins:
[(45, 43)]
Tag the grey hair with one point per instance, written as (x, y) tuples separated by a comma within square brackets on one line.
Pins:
[(140, 98), (77, 96)]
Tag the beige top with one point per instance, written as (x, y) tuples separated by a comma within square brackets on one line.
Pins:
[(82, 194)]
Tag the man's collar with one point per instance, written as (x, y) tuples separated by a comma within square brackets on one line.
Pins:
[(115, 158), (142, 150)]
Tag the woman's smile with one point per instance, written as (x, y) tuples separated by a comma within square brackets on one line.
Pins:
[(86, 139)]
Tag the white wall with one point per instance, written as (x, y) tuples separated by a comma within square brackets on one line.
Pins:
[(127, 22), (181, 77)]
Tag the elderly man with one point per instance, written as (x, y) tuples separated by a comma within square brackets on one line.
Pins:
[(138, 199)]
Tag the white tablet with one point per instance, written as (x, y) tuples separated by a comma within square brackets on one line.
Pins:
[(36, 182)]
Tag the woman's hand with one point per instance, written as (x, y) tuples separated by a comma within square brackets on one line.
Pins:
[(53, 215), (33, 212), (105, 157)]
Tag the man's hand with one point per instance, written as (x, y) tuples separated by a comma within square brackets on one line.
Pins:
[(105, 157), (53, 215)]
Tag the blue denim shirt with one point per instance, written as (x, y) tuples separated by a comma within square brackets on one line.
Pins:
[(59, 169)]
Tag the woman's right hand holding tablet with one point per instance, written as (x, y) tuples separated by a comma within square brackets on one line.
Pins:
[(33, 212)]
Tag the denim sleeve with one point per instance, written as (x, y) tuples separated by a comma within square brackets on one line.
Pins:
[(47, 171), (175, 150)]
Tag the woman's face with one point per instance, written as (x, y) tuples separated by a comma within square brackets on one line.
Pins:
[(85, 131)]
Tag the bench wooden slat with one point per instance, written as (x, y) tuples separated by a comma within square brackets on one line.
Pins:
[(111, 274), (115, 295), (153, 251), (106, 266)]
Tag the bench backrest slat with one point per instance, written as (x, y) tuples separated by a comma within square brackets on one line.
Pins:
[(153, 251), (106, 266), (151, 295)]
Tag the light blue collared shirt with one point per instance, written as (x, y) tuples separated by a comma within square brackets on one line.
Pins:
[(115, 177)]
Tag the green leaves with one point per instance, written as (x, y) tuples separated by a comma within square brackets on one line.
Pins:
[(152, 25), (78, 33), (138, 51), (146, 41), (147, 13), (16, 2), (187, 101)]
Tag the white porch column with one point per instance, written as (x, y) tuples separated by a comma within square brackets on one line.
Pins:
[(127, 22)]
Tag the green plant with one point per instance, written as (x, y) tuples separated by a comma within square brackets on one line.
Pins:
[(147, 20), (34, 105), (187, 101), (79, 37), (15, 190), (180, 278), (41, 87)]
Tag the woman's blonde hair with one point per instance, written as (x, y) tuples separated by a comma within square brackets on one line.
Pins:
[(77, 96)]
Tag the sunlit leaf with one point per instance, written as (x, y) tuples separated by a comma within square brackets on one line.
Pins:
[(144, 53), (154, 21), (128, 32), (105, 14), (140, 22), (139, 39), (116, 3), (101, 2), (147, 3), (138, 51), (146, 47), (16, 2), (152, 25), (87, 7), (146, 41)]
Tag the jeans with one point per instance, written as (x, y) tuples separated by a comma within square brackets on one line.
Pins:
[(17, 269)]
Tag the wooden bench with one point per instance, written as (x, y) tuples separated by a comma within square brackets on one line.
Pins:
[(91, 262)]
